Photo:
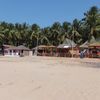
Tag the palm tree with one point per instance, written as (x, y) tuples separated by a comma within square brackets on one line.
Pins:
[(1, 38), (35, 35), (75, 35), (32, 35), (66, 28), (56, 30), (91, 19), (45, 35)]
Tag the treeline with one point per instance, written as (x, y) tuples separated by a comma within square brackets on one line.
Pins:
[(32, 35)]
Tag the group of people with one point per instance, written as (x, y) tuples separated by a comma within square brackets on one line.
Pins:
[(91, 53), (84, 53)]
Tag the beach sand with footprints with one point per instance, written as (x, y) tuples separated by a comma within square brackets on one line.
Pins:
[(49, 78)]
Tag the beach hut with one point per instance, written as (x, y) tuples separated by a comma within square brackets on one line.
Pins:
[(67, 49), (95, 49), (10, 50), (67, 44), (44, 50), (39, 50), (91, 48), (52, 50), (84, 48), (23, 51), (63, 50)]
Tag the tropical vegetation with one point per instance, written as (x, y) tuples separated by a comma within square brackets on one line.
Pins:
[(32, 35)]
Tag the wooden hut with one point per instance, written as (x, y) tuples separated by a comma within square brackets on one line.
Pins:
[(23, 51), (91, 48), (39, 50), (85, 49), (67, 49), (94, 49), (10, 50), (44, 50)]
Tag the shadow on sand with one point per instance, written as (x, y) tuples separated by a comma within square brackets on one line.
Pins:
[(91, 64)]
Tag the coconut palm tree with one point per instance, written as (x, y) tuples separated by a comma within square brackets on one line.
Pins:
[(91, 19), (75, 35), (56, 30), (45, 36), (35, 35), (65, 33)]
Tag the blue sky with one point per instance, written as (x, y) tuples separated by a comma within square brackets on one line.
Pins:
[(44, 12)]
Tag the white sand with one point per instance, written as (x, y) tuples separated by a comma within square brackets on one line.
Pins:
[(41, 78)]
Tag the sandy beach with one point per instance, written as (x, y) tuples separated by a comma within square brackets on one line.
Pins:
[(49, 78)]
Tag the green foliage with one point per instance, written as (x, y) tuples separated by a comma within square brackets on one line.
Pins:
[(32, 35)]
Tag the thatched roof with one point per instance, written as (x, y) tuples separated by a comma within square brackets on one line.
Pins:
[(85, 45), (92, 42), (67, 44), (8, 46), (96, 44), (41, 47), (63, 46), (51, 46), (21, 47)]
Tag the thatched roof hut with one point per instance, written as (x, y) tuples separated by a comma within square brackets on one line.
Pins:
[(95, 43), (21, 50), (67, 44), (44, 50), (92, 43)]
